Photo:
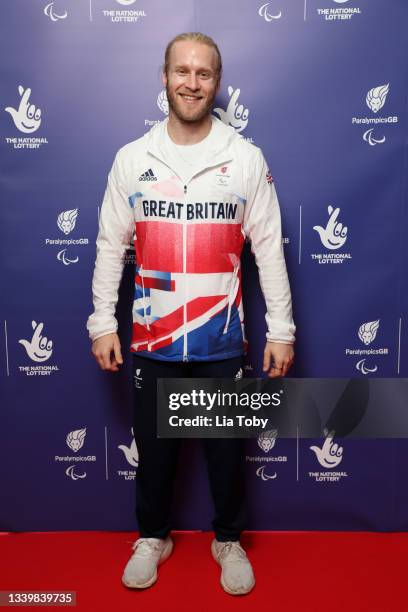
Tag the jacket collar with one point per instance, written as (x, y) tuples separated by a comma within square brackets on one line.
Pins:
[(218, 153)]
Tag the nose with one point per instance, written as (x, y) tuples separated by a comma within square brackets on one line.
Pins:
[(192, 81)]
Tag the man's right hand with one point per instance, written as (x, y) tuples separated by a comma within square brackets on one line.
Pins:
[(102, 349)]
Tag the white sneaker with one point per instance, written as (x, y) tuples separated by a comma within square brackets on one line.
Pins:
[(141, 569), (237, 576)]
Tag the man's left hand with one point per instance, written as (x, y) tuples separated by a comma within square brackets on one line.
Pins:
[(278, 358)]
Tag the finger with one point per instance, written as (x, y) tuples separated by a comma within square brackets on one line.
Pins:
[(333, 218), (274, 372), (25, 97), (286, 366), (114, 365), (266, 361), (285, 369), (235, 97), (105, 358), (37, 332), (98, 360), (117, 351)]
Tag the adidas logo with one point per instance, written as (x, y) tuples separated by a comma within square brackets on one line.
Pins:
[(147, 176)]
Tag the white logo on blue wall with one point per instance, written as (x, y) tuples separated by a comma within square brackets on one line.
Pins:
[(376, 97), (367, 334), (66, 223), (62, 256), (52, 14), (66, 220), (125, 14), (236, 115), (162, 102), (338, 13), (70, 471), (27, 116), (39, 348), (361, 367), (264, 12), (368, 331), (131, 452), (368, 137), (329, 455), (75, 439), (334, 234), (267, 440), (261, 473)]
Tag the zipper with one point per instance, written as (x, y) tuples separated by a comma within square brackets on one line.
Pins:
[(185, 356)]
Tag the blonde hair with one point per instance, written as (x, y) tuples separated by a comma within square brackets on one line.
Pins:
[(195, 37)]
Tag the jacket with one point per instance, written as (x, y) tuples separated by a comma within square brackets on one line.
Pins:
[(188, 236)]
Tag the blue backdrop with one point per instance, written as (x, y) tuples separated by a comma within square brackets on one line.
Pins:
[(324, 84)]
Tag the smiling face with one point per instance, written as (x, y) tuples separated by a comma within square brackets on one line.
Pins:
[(192, 80)]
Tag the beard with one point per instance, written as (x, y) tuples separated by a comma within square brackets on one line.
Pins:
[(192, 116)]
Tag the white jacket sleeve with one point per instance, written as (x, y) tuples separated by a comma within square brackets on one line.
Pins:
[(116, 226), (262, 225)]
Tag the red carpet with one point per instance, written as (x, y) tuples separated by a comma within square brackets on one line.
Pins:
[(302, 571)]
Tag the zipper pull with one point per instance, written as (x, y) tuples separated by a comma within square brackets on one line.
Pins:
[(185, 188)]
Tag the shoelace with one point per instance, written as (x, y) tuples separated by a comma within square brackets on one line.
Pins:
[(145, 547), (232, 550)]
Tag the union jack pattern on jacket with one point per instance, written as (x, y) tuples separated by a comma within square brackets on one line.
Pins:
[(188, 237)]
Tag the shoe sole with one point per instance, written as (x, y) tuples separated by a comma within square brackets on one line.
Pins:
[(224, 586), (165, 555)]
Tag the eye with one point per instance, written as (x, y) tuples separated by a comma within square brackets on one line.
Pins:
[(245, 114), (37, 114), (49, 345), (43, 343)]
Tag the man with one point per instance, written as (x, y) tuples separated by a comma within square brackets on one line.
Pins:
[(191, 189)]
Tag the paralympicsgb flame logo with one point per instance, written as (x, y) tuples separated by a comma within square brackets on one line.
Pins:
[(368, 331), (267, 439), (75, 439), (66, 220), (376, 97)]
